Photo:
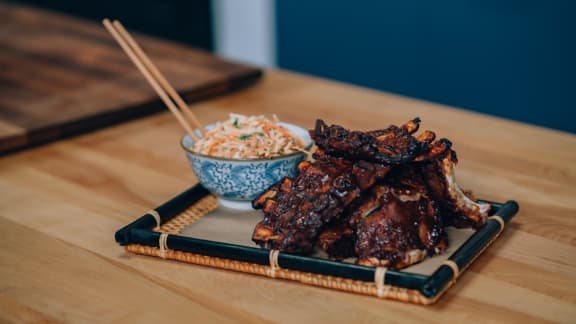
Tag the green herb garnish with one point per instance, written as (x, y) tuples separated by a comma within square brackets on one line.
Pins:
[(245, 137), (236, 123)]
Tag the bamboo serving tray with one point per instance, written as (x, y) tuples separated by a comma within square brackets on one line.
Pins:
[(192, 228)]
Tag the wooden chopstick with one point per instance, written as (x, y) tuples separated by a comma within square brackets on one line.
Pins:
[(150, 78), (159, 76)]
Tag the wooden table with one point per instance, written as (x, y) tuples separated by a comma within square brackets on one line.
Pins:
[(61, 76), (61, 204)]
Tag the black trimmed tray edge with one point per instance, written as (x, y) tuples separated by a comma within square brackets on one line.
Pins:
[(431, 287)]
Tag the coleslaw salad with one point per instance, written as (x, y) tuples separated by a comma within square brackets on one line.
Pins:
[(249, 137)]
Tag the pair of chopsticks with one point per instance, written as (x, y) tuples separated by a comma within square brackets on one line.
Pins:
[(165, 91)]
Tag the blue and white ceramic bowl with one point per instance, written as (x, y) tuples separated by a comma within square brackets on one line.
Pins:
[(236, 182)]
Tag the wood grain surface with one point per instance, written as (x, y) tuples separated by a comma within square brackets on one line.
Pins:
[(60, 76), (60, 205)]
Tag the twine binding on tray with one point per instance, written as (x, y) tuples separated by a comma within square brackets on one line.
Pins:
[(156, 216), (454, 267), (500, 221), (273, 259), (163, 244), (379, 281)]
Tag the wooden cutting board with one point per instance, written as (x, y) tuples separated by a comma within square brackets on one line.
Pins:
[(61, 76)]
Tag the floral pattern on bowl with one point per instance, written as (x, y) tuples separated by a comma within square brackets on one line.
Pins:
[(243, 180), (239, 180)]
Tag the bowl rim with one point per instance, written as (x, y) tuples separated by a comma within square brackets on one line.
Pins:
[(189, 151)]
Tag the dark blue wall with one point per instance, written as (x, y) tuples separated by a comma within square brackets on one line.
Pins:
[(514, 59)]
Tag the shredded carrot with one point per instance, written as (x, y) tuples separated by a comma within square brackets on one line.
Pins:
[(248, 137)]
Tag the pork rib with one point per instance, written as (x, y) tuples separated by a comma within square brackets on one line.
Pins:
[(398, 224), (458, 207), (392, 145), (384, 196), (296, 210), (338, 240)]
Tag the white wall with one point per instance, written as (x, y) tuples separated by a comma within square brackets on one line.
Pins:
[(244, 30)]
